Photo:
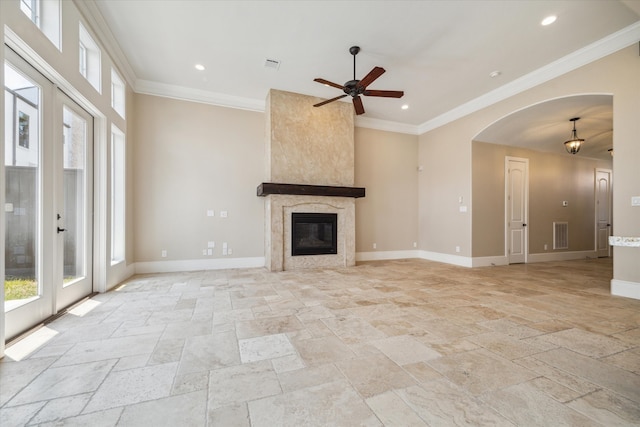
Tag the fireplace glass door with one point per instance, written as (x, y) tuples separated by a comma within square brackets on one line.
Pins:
[(314, 234)]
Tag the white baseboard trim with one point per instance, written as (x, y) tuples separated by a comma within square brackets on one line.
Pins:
[(198, 264), (626, 289), (461, 261), (383, 255), (430, 256), (488, 261), (561, 256)]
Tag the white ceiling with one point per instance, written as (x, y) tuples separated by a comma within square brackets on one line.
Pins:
[(439, 52)]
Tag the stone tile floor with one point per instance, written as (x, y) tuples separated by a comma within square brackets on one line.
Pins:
[(395, 343)]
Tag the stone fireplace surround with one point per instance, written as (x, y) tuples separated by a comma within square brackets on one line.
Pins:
[(310, 168), (279, 206)]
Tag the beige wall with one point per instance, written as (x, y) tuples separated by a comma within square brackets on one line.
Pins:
[(553, 179), (386, 165), (446, 154), (190, 158)]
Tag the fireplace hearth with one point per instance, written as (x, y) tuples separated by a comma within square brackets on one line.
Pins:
[(314, 233)]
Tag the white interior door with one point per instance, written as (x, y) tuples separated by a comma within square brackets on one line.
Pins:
[(603, 211), (516, 202)]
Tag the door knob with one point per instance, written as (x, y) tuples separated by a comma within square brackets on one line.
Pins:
[(60, 230)]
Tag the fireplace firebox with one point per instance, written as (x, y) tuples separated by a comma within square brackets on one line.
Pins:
[(314, 233)]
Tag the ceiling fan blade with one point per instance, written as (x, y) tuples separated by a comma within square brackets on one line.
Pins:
[(329, 100), (384, 93), (328, 83), (369, 78), (357, 103)]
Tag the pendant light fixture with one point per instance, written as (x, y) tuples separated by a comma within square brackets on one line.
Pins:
[(574, 143)]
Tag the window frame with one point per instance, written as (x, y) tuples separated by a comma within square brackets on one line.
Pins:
[(117, 195)]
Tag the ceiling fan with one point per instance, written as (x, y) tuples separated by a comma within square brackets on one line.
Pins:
[(355, 88)]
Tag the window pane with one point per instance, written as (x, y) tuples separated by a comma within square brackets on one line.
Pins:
[(74, 188), (22, 189), (30, 8), (117, 93), (117, 196), (90, 55)]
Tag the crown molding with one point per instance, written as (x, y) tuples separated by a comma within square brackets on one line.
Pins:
[(597, 50), (386, 125), (148, 87), (92, 15)]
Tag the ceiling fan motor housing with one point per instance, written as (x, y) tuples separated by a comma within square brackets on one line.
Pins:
[(351, 88)]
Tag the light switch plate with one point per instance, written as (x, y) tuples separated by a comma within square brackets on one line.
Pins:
[(635, 201)]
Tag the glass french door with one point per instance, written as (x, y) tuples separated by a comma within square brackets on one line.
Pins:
[(73, 202), (48, 199)]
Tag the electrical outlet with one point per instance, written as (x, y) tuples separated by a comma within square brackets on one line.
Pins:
[(375, 246), (209, 251), (546, 247), (204, 252), (415, 244), (229, 251), (164, 253), (211, 245), (210, 213), (457, 248), (223, 214)]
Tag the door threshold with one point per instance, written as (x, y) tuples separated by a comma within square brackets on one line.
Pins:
[(45, 322)]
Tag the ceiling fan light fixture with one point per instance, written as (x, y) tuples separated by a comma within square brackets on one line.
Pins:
[(574, 143)]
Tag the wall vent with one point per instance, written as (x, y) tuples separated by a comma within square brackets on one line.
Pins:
[(560, 235)]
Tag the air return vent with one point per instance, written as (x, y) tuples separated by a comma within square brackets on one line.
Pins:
[(271, 63), (560, 235)]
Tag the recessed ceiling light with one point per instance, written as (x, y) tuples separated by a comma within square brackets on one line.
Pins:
[(494, 74), (549, 20), (199, 67), (405, 107)]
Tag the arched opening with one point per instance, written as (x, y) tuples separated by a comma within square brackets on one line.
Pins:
[(561, 187)]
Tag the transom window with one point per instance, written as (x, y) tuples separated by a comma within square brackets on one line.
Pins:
[(89, 58), (46, 15)]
